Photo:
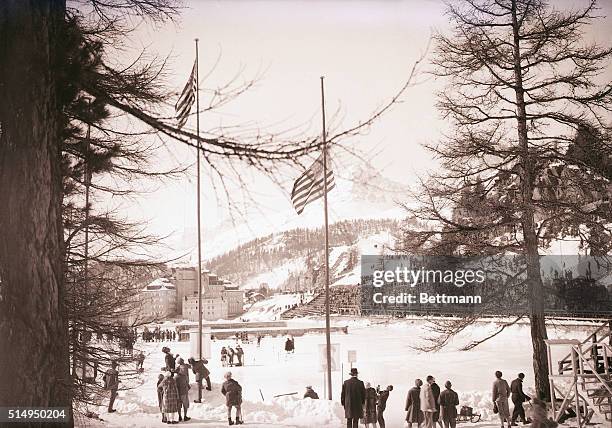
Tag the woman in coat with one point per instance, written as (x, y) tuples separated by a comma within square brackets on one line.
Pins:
[(369, 406), (413, 405), (182, 386), (448, 401), (170, 401)]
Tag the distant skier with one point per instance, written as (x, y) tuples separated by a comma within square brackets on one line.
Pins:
[(233, 398)]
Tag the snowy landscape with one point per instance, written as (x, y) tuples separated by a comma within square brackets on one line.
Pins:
[(385, 356)]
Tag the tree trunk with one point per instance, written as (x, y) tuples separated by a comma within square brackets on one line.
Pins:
[(34, 362), (534, 280)]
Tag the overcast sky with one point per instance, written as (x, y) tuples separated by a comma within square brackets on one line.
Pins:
[(365, 50)]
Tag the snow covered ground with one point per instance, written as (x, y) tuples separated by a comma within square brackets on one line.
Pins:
[(384, 356)]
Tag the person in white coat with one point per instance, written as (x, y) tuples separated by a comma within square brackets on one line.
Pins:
[(428, 402)]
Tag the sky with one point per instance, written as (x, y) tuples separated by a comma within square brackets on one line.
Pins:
[(365, 50)]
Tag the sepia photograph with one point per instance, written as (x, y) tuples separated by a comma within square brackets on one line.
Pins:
[(306, 213)]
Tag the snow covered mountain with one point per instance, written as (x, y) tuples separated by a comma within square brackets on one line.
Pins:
[(362, 193)]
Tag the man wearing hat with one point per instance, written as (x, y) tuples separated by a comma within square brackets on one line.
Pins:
[(518, 398), (352, 399)]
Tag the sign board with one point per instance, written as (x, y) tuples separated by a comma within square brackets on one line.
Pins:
[(193, 344), (352, 356), (335, 357)]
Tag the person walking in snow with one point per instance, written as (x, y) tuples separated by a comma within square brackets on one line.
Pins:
[(369, 406), (428, 403), (414, 415), (170, 398), (518, 398), (501, 392), (383, 396), (233, 398), (352, 399), (111, 383), (140, 361), (448, 401)]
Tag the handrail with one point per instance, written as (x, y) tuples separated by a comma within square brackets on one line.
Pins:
[(577, 348), (588, 339)]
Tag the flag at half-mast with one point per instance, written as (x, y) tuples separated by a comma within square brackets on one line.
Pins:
[(310, 185), (187, 98)]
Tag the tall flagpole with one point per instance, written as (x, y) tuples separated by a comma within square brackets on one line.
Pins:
[(199, 272), (327, 327)]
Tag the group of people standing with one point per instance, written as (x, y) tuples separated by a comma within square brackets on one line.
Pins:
[(228, 354), (159, 335), (426, 404), (361, 401), (173, 386)]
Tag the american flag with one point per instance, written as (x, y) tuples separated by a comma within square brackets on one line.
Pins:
[(310, 185), (187, 98)]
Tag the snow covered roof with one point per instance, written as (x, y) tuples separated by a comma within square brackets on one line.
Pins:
[(160, 284)]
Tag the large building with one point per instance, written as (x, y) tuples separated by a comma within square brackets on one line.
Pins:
[(158, 300), (220, 300)]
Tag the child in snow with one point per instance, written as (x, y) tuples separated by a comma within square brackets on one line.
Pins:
[(233, 398)]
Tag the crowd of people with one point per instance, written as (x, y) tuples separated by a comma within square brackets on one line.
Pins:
[(427, 405), (159, 335)]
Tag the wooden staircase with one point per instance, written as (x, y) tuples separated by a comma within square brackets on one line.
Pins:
[(583, 382)]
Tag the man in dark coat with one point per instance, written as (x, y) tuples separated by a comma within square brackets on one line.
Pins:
[(233, 398), (448, 402), (435, 389), (352, 399), (518, 398), (201, 373), (382, 405), (111, 383)]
